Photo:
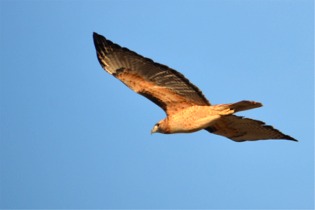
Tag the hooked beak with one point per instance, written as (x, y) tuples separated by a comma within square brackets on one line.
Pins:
[(154, 129)]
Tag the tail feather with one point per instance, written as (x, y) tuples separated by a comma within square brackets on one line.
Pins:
[(244, 105)]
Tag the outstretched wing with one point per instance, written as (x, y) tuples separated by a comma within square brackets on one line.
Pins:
[(244, 129), (164, 86)]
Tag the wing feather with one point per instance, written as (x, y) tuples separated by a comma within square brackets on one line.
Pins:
[(244, 129), (164, 86)]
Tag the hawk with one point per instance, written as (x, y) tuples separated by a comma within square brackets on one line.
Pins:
[(187, 109)]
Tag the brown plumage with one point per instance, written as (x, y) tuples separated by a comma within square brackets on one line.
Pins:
[(186, 107)]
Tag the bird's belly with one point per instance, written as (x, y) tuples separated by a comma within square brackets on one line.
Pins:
[(192, 120)]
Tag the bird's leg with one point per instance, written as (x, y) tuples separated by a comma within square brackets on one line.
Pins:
[(226, 112), (223, 109)]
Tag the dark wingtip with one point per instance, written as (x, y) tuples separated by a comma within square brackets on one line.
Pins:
[(97, 37), (100, 42), (286, 137)]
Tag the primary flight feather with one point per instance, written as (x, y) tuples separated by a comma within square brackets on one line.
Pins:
[(186, 107)]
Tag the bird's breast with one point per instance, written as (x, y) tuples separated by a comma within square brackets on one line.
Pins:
[(192, 119)]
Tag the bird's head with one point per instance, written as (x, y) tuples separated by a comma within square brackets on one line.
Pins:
[(156, 128), (160, 127)]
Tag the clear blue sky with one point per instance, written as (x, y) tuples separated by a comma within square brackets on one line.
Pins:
[(72, 136)]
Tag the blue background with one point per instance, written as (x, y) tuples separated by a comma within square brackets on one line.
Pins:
[(72, 136)]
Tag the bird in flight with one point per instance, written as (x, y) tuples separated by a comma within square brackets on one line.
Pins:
[(187, 109)]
